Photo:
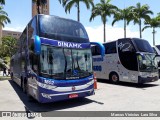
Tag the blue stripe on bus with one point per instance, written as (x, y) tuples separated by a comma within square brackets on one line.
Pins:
[(66, 83), (65, 44)]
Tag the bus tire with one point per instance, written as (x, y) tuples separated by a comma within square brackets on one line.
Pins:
[(24, 85), (30, 98), (11, 76), (113, 77)]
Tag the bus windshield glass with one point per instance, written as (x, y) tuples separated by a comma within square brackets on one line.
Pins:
[(59, 27), (143, 45), (158, 46), (147, 62), (64, 63)]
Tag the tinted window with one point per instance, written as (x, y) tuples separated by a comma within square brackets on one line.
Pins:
[(32, 28), (110, 48), (63, 27), (143, 45), (155, 50), (95, 50), (22, 41), (127, 54), (62, 63)]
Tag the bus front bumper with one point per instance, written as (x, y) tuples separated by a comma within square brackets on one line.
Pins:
[(46, 98), (147, 79)]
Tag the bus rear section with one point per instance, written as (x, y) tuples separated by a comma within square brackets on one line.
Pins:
[(127, 60)]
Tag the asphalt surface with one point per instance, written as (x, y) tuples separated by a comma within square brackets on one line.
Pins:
[(108, 97)]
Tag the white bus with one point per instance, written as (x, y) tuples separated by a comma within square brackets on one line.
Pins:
[(157, 51), (128, 59)]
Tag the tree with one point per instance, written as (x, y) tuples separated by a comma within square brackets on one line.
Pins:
[(125, 15), (39, 3), (68, 4), (8, 47), (141, 12), (152, 23), (158, 16), (3, 17), (2, 2), (103, 9)]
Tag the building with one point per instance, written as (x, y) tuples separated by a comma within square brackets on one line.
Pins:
[(43, 9), (14, 34)]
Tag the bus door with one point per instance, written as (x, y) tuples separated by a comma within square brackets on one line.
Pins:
[(128, 59)]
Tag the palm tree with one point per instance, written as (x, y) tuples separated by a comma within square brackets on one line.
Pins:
[(158, 16), (68, 4), (103, 9), (2, 2), (125, 15), (152, 23), (141, 12), (39, 3), (3, 20), (3, 17)]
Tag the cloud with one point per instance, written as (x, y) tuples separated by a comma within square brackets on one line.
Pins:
[(112, 33), (20, 29)]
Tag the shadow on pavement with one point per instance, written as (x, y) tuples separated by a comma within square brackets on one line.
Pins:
[(34, 106), (126, 84)]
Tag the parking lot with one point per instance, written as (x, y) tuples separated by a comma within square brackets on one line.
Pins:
[(108, 97)]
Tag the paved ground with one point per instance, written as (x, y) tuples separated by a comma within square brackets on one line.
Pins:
[(108, 97)]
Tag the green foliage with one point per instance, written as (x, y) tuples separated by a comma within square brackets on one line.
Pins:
[(2, 2), (152, 23), (123, 14), (3, 17), (103, 9), (141, 12), (8, 47), (68, 4)]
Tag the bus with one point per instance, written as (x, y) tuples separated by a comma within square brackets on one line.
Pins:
[(128, 60), (53, 61), (157, 51)]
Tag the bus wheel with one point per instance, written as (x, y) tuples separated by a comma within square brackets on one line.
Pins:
[(24, 85), (11, 76), (114, 78)]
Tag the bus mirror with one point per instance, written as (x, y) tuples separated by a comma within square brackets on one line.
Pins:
[(101, 46), (37, 45)]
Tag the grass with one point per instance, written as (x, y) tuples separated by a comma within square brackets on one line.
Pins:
[(5, 77)]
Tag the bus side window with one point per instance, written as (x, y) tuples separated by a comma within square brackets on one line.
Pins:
[(93, 50), (33, 62), (110, 48)]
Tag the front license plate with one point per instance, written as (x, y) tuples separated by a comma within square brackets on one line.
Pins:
[(73, 95)]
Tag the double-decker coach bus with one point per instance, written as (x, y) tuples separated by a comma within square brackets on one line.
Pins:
[(128, 59), (53, 61)]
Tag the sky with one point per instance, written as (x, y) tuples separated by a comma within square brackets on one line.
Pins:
[(19, 11)]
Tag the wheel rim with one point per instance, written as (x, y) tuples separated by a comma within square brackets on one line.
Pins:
[(114, 78)]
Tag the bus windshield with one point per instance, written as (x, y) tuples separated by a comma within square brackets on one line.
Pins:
[(158, 46), (64, 63), (55, 26), (147, 62), (143, 45)]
